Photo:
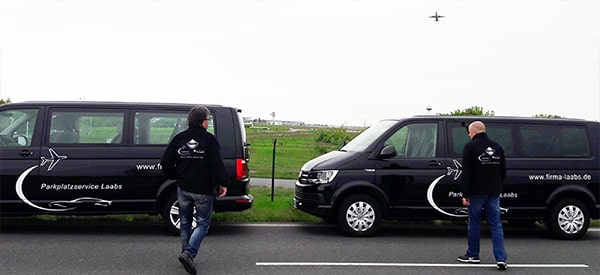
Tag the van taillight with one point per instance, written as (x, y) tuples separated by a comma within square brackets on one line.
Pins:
[(241, 169)]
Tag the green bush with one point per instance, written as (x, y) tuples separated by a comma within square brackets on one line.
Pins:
[(337, 137)]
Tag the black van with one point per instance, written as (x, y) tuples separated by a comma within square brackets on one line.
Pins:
[(410, 169), (95, 158)]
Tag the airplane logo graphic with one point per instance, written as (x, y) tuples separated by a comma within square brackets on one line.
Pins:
[(54, 159), (458, 170)]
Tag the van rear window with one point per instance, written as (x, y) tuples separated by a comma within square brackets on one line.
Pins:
[(158, 128), (529, 140), (554, 141)]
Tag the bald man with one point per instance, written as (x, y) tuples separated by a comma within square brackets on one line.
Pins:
[(484, 170)]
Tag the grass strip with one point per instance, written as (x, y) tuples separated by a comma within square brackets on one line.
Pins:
[(281, 209)]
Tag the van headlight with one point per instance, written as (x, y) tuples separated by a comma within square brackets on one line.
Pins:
[(321, 177)]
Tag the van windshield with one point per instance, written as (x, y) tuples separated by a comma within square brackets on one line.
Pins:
[(366, 138)]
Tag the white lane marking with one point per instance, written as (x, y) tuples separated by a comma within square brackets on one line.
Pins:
[(416, 264)]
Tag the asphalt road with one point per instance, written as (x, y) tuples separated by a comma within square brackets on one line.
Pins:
[(76, 247)]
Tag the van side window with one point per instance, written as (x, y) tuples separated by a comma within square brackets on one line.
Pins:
[(574, 143), (417, 140), (553, 141), (459, 136), (158, 128), (68, 127), (501, 133), (16, 127)]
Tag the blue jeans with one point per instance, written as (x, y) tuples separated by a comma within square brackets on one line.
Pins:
[(491, 205), (191, 238)]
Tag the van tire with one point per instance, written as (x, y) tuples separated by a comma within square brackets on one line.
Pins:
[(569, 219), (359, 216), (170, 214)]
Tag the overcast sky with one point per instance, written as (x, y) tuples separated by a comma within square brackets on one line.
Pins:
[(331, 62)]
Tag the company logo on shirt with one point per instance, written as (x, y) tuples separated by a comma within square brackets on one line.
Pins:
[(488, 157), (189, 150), (192, 144)]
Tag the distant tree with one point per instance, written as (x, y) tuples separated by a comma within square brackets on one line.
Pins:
[(336, 136), (547, 116), (2, 101), (472, 111)]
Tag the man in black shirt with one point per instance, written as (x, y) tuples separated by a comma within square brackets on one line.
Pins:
[(483, 172), (194, 160)]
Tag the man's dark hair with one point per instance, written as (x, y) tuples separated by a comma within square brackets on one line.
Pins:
[(197, 115)]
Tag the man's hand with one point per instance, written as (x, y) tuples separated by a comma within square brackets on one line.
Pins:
[(465, 201), (222, 191)]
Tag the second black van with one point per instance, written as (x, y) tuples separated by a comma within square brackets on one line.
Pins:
[(410, 169), (97, 158)]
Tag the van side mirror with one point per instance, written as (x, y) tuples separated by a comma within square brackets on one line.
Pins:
[(22, 140), (388, 151)]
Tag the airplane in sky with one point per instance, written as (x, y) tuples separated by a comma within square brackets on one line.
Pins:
[(436, 16)]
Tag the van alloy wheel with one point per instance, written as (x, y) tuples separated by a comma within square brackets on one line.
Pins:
[(170, 215), (359, 215), (174, 216), (569, 219)]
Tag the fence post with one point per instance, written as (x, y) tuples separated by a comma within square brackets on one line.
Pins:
[(273, 171)]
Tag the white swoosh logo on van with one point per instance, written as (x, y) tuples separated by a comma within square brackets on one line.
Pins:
[(19, 188), (432, 202), (65, 205), (457, 172), (464, 210), (53, 160)]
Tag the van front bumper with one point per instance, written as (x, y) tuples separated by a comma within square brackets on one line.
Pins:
[(311, 202), (318, 210)]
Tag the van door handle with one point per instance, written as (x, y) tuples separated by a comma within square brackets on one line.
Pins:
[(435, 163), (25, 153)]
